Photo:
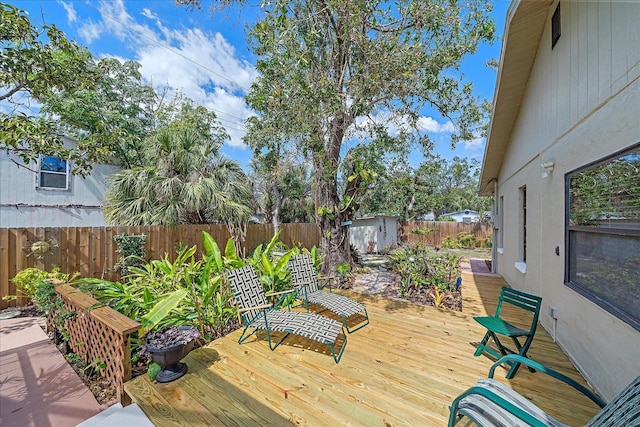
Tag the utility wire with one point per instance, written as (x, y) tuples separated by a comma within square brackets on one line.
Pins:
[(176, 52)]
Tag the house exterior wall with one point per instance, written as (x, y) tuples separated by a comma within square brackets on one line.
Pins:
[(24, 205), (463, 216), (582, 104)]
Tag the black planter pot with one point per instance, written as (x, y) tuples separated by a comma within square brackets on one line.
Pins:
[(169, 359)]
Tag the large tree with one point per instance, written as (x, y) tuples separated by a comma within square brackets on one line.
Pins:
[(112, 118), (337, 71), (36, 63)]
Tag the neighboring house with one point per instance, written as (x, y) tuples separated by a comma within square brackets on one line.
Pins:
[(46, 194), (562, 161), (372, 233), (466, 216)]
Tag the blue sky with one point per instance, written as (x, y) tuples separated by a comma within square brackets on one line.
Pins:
[(206, 56)]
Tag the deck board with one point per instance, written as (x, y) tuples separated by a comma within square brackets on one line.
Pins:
[(403, 369)]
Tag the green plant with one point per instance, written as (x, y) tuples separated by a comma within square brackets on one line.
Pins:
[(94, 367), (450, 243), (190, 290), (131, 248), (423, 230), (466, 240), (438, 297), (26, 281)]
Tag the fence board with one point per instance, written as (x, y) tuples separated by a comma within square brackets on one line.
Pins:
[(440, 230), (5, 274)]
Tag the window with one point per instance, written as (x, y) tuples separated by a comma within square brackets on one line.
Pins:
[(500, 221), (523, 224), (603, 234), (53, 173), (555, 27)]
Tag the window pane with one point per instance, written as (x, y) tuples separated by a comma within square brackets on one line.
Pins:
[(608, 266), (607, 195), (54, 164), (603, 226), (53, 180)]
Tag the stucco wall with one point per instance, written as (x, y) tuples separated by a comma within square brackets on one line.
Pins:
[(582, 104), (23, 205)]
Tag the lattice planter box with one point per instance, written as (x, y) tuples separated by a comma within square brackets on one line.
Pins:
[(99, 333)]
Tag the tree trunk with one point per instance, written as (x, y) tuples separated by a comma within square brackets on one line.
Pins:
[(334, 238), (277, 203)]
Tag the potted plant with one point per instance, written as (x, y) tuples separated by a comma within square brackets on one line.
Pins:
[(166, 348)]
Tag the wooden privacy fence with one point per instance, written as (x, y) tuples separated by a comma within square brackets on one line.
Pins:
[(433, 232), (92, 252)]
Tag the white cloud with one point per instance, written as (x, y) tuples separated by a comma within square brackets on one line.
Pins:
[(71, 11), (201, 64), (146, 12), (475, 143), (394, 123), (431, 125), (90, 31)]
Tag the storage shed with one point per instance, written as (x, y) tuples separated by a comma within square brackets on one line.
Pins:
[(371, 233)]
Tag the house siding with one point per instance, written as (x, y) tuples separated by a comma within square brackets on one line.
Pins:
[(23, 205), (582, 104)]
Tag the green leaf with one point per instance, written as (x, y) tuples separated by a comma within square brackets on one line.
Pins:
[(161, 310), (230, 249), (212, 250), (154, 370), (266, 264)]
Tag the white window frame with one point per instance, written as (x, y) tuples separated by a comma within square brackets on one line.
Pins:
[(39, 173)]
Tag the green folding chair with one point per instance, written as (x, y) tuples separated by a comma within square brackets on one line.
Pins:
[(258, 314), (305, 279), (497, 326), (491, 403)]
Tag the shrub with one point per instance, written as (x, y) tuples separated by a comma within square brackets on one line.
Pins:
[(131, 248)]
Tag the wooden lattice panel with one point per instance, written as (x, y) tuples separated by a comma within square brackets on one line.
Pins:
[(99, 335)]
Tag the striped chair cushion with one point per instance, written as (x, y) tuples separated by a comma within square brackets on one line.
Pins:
[(308, 325), (247, 289), (487, 413), (622, 411), (336, 303), (303, 271)]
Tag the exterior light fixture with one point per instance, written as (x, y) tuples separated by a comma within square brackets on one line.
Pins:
[(548, 168)]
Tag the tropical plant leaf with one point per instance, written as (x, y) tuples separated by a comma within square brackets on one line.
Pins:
[(160, 311)]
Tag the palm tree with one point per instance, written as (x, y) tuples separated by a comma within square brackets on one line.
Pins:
[(184, 181)]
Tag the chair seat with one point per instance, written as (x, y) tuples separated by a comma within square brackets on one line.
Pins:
[(338, 304), (308, 325), (500, 326), (489, 414), (305, 280)]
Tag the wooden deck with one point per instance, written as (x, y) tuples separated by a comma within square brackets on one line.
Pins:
[(404, 369)]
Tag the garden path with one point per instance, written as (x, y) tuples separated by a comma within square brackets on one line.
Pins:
[(37, 385)]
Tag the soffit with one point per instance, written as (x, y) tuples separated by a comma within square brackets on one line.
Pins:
[(525, 23)]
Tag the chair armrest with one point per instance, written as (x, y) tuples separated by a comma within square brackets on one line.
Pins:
[(283, 297), (270, 294), (328, 280), (258, 307), (555, 374), (498, 400)]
